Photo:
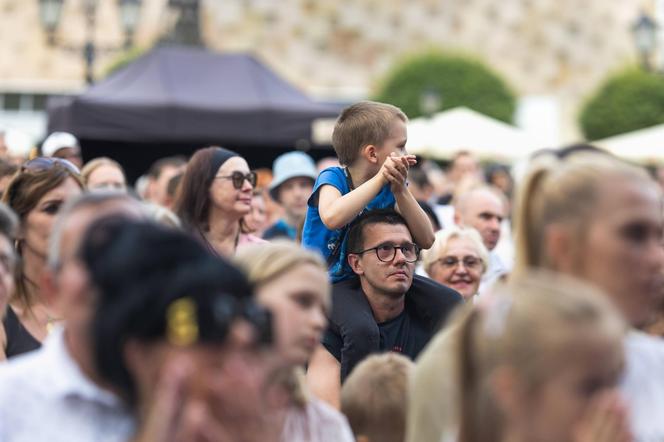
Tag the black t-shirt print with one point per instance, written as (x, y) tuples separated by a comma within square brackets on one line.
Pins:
[(403, 335)]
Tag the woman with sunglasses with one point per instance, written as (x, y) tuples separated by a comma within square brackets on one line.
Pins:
[(36, 193), (457, 259), (215, 194)]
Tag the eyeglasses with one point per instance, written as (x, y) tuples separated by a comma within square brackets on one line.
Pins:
[(238, 178), (387, 252), (452, 262), (41, 164)]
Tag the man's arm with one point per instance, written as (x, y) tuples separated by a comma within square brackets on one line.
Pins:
[(337, 210), (324, 377)]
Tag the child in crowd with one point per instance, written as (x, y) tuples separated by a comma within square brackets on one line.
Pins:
[(370, 141), (374, 398)]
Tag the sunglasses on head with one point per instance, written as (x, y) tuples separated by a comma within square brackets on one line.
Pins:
[(238, 178), (44, 163)]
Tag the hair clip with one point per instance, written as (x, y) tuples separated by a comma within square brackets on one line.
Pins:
[(182, 322)]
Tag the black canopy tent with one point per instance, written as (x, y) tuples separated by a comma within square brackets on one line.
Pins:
[(176, 99)]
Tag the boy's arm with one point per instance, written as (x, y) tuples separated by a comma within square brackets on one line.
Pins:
[(418, 221), (337, 210)]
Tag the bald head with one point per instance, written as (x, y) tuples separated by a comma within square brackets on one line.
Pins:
[(483, 209)]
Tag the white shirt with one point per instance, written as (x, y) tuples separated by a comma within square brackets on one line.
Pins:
[(317, 422), (495, 270), (44, 396), (643, 386)]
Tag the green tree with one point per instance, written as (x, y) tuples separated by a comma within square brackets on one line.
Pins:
[(627, 101), (458, 80)]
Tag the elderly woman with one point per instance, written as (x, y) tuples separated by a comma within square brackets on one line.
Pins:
[(457, 259), (215, 194), (36, 193)]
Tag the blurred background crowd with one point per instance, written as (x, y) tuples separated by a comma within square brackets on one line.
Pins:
[(303, 220)]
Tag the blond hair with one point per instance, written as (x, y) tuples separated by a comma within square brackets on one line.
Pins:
[(531, 326), (374, 398), (95, 164), (442, 239), (362, 124), (564, 192), (262, 263)]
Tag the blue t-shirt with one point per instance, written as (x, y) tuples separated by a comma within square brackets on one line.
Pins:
[(316, 236)]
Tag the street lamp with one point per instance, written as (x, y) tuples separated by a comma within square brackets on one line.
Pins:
[(645, 37), (430, 101), (49, 14)]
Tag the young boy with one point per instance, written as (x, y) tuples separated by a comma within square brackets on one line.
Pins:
[(375, 398), (370, 141)]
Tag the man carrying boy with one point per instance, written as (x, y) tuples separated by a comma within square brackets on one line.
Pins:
[(370, 141), (294, 176)]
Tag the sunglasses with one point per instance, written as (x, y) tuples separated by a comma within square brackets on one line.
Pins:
[(238, 178), (41, 164), (188, 323)]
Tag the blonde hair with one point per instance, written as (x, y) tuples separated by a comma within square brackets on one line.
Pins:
[(95, 164), (374, 398), (562, 191), (263, 263), (361, 124), (442, 239), (530, 326)]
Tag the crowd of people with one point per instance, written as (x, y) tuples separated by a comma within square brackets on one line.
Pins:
[(372, 297)]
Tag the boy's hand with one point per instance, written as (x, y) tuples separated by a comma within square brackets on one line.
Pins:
[(395, 170)]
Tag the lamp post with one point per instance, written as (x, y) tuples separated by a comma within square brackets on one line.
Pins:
[(645, 37), (50, 12), (430, 101)]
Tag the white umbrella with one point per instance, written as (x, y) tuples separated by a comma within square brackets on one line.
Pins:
[(643, 145), (461, 128)]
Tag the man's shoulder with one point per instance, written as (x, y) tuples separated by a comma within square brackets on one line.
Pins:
[(431, 300)]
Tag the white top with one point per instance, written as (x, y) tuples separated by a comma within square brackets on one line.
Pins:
[(44, 396), (495, 270), (643, 385), (317, 422)]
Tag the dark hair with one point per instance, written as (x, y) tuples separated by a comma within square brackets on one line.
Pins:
[(141, 270), (8, 222), (173, 185), (435, 221), (193, 200), (419, 177), (378, 216), (161, 163), (7, 168)]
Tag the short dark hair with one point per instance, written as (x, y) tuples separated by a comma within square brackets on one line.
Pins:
[(378, 216), (8, 222)]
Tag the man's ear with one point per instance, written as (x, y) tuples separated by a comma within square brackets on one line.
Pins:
[(355, 263), (370, 152)]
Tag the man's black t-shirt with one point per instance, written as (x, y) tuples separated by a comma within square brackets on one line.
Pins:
[(401, 335)]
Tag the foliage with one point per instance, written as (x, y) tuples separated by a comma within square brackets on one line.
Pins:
[(458, 79), (627, 101)]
